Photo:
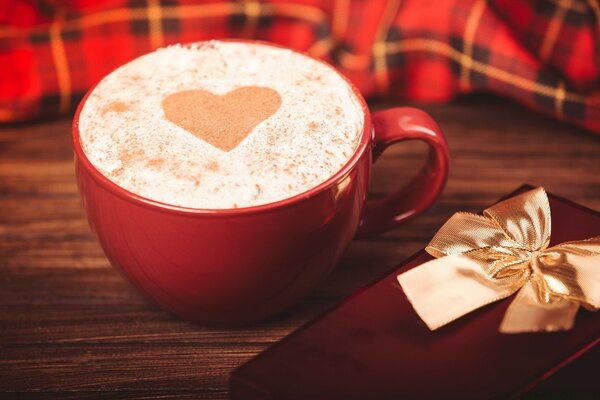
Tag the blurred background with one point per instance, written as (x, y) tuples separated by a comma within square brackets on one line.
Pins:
[(545, 54)]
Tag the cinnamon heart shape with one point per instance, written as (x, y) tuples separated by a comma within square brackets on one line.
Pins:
[(222, 121)]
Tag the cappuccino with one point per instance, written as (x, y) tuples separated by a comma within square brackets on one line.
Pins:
[(218, 125)]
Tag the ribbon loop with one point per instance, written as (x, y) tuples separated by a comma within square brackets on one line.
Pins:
[(482, 259), (524, 218)]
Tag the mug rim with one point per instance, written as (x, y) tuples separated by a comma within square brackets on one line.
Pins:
[(112, 187)]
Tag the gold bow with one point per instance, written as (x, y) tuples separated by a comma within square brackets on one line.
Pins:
[(482, 259)]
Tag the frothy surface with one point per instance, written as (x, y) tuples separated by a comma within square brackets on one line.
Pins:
[(311, 135)]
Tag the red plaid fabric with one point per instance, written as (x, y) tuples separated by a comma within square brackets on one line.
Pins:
[(544, 54)]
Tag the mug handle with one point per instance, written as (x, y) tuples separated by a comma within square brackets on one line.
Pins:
[(396, 125)]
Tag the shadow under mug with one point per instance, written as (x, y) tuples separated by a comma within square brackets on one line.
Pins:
[(235, 266)]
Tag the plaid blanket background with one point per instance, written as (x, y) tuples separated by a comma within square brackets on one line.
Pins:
[(543, 53)]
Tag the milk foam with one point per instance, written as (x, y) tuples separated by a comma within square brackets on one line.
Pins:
[(126, 136)]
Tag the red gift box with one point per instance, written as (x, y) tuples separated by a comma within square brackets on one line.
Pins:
[(373, 345)]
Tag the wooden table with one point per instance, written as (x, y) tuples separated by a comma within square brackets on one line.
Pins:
[(70, 326)]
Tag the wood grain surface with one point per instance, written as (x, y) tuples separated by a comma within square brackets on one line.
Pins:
[(71, 327)]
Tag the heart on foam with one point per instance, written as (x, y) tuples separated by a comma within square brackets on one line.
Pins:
[(221, 120)]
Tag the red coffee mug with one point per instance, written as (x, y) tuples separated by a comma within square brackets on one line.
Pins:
[(236, 266)]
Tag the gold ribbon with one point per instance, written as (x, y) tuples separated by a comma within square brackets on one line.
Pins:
[(482, 259)]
